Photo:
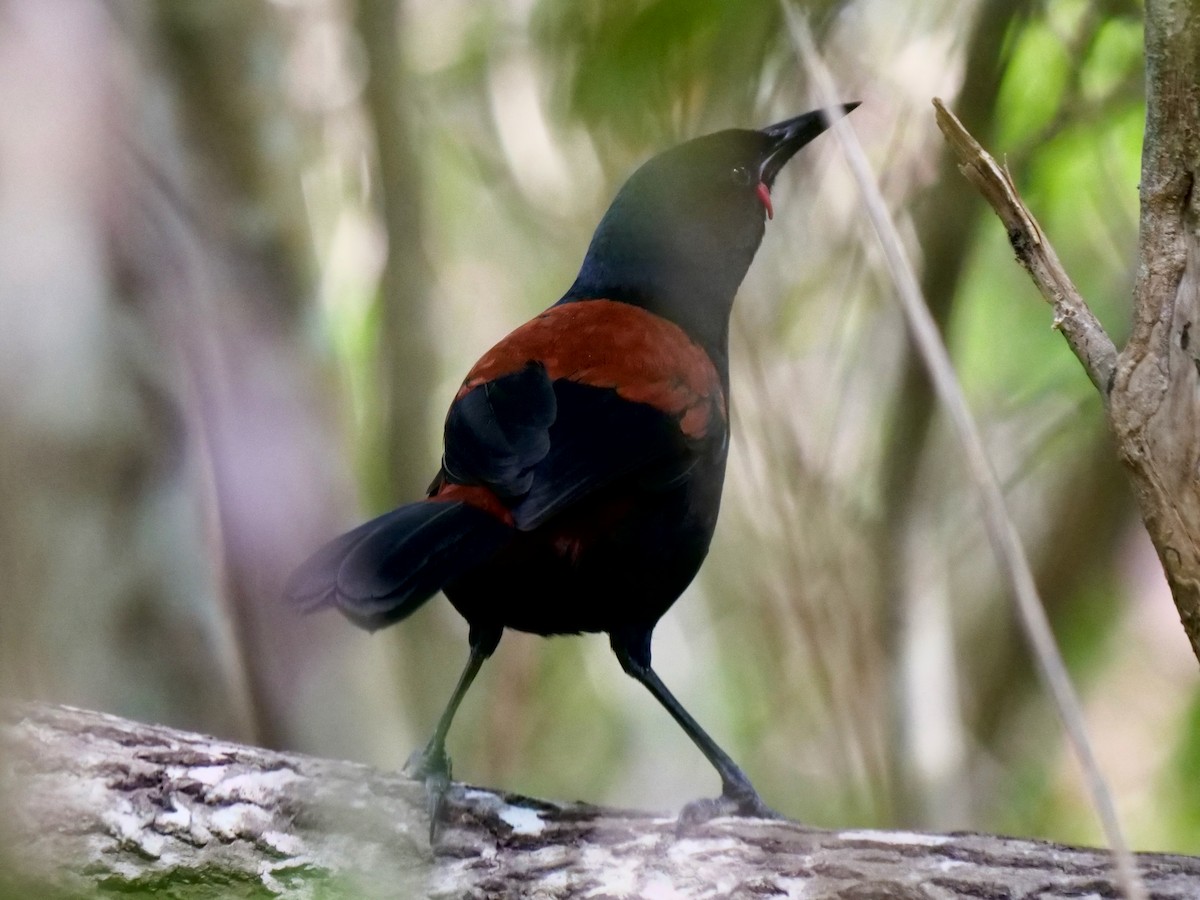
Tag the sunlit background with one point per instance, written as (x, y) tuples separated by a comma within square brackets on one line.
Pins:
[(249, 249)]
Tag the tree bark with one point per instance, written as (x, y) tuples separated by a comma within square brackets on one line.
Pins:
[(1151, 387), (1154, 405), (101, 803)]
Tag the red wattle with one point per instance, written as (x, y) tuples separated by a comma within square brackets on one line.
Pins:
[(764, 194)]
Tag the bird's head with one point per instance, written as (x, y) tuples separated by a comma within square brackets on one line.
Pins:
[(683, 230)]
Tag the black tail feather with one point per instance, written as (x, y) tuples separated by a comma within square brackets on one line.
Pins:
[(313, 585), (382, 571)]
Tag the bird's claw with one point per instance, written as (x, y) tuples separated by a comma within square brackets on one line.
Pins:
[(432, 766), (737, 799)]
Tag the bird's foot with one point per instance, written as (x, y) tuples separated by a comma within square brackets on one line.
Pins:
[(737, 799), (431, 765)]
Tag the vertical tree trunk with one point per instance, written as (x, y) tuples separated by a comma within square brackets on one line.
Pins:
[(405, 359), (1155, 395), (1152, 387)]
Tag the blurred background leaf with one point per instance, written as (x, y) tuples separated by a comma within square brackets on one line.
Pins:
[(247, 252)]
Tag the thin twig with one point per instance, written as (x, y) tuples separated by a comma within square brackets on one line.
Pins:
[(1001, 530), (1081, 328)]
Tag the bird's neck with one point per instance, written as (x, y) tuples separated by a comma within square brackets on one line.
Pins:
[(697, 298)]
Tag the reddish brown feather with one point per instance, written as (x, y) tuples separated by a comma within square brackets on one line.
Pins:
[(473, 495), (603, 343)]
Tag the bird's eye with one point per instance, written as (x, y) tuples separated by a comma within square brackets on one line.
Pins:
[(740, 176)]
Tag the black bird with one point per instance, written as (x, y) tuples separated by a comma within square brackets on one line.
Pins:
[(585, 453)]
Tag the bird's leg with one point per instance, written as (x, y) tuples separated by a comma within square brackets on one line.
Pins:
[(432, 764), (738, 796)]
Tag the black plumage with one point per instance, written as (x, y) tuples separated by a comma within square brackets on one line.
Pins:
[(585, 453)]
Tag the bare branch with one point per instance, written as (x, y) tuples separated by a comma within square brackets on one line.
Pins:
[(100, 804), (1081, 328)]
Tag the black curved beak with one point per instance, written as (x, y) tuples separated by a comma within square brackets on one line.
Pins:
[(789, 136)]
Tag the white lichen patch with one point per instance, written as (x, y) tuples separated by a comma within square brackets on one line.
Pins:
[(660, 887), (152, 843), (647, 842), (183, 822), (622, 873), (283, 842), (522, 819), (176, 819), (208, 775), (911, 838), (254, 787), (128, 828), (121, 821), (240, 820)]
